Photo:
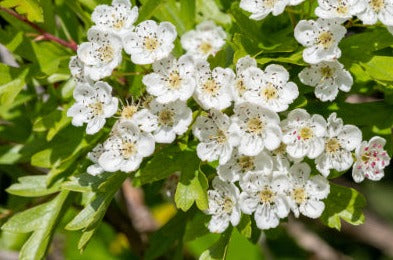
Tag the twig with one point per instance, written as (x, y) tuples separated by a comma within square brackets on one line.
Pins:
[(311, 242), (43, 34), (137, 211)]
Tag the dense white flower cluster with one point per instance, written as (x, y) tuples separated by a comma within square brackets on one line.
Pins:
[(259, 150)]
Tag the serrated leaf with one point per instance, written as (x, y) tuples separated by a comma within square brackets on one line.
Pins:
[(33, 186), (30, 8), (219, 249), (343, 203)]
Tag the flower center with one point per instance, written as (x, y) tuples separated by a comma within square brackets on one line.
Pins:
[(118, 22), (377, 5), (269, 92), (128, 149), (166, 117), (299, 195), (228, 205), (106, 53), (255, 125), (128, 112), (151, 43), (211, 87), (174, 80), (266, 196), (332, 145), (269, 3), (325, 39), (96, 108), (342, 8), (205, 47), (306, 133), (220, 137), (240, 87), (327, 72), (246, 163)]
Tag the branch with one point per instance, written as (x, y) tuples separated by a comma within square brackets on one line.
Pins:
[(311, 242), (43, 34)]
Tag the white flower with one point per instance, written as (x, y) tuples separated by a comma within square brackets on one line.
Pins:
[(223, 205), (216, 138), (240, 87), (371, 159), (239, 165), (77, 70), (259, 128), (95, 169), (259, 9), (173, 119), (126, 148), (320, 38), (117, 19), (213, 87), (303, 134), (327, 78), (295, 2), (93, 105), (281, 159), (150, 42), (266, 196), (207, 39), (340, 140), (307, 192), (101, 54), (142, 118), (270, 88), (172, 79), (377, 10), (343, 9)]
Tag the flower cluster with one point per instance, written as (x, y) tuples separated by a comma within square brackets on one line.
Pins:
[(260, 151)]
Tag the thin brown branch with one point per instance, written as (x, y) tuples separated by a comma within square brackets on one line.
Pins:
[(311, 242), (43, 34)]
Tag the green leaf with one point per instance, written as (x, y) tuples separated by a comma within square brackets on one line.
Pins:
[(343, 203), (187, 13), (42, 220), (192, 185), (245, 226), (196, 227), (29, 7), (219, 249), (52, 123), (12, 81), (170, 235), (209, 10), (379, 68), (148, 8), (33, 186)]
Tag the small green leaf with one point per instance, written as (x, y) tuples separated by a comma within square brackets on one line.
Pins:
[(31, 8), (147, 10), (245, 226), (219, 249), (33, 186), (12, 81), (343, 203)]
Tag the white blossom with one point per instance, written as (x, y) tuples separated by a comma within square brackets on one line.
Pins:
[(342, 9), (303, 134), (239, 165), (371, 159), (117, 19), (101, 54), (223, 206), (259, 9), (321, 38), (240, 87), (172, 79), (213, 87), (206, 40), (217, 139), (306, 192), (93, 105), (142, 118), (270, 88), (265, 196), (327, 78), (259, 128), (340, 140), (295, 2), (173, 119), (150, 42), (125, 148), (76, 67), (95, 169), (381, 10)]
